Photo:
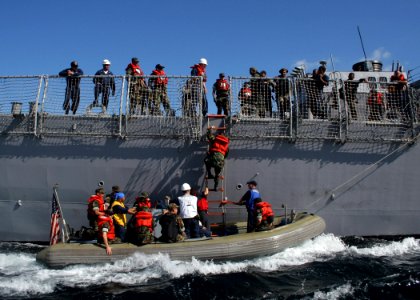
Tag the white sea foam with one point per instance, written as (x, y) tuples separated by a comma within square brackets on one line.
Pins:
[(406, 246), (345, 290), (25, 277)]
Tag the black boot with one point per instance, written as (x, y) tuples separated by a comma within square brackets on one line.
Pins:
[(216, 184)]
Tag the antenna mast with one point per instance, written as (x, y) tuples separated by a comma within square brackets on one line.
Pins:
[(361, 41)]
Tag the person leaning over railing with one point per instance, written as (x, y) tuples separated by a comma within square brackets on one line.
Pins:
[(72, 75)]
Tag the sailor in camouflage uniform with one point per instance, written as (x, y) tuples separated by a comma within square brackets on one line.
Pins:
[(218, 151)]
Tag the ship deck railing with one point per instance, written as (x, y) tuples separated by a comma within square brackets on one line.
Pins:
[(291, 109)]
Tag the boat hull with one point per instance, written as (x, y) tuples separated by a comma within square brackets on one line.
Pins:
[(233, 247)]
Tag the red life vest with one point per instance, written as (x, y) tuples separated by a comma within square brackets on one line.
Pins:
[(102, 220), (220, 144), (162, 79), (398, 78), (375, 98), (203, 204), (222, 85), (200, 71), (101, 202), (142, 203), (266, 210), (245, 92), (137, 71), (144, 218)]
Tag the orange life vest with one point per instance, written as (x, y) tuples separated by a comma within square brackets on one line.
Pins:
[(102, 220), (143, 203), (203, 204), (245, 92), (222, 85), (144, 218), (92, 199), (266, 210), (375, 98), (137, 71), (220, 144), (200, 71), (162, 79)]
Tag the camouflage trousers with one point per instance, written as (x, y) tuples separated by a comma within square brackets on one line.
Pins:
[(159, 96), (142, 236)]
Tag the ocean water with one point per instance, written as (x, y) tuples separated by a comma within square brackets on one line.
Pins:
[(327, 267)]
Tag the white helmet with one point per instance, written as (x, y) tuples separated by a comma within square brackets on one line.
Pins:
[(203, 61), (185, 187), (106, 62)]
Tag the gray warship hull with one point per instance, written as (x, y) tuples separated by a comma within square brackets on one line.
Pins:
[(361, 177)]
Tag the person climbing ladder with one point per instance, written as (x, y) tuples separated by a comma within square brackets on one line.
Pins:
[(218, 151)]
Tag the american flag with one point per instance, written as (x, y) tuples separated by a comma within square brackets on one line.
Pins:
[(55, 225)]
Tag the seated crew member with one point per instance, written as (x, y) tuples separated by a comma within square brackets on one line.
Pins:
[(106, 232), (140, 228), (96, 207), (173, 229), (119, 216), (143, 200), (264, 215), (111, 196), (218, 151)]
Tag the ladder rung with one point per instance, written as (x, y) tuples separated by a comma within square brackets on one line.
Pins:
[(215, 116), (215, 213), (217, 128), (221, 177), (214, 201)]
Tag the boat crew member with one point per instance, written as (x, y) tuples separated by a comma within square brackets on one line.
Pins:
[(203, 207), (104, 84), (173, 229), (218, 151), (140, 227), (72, 75), (111, 196), (264, 215), (143, 200), (221, 93), (200, 70), (106, 232), (138, 90), (159, 92), (188, 211), (119, 216), (248, 200), (96, 207)]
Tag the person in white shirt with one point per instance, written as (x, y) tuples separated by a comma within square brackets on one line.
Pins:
[(188, 211)]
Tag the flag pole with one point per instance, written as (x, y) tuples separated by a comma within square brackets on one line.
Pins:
[(65, 235)]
